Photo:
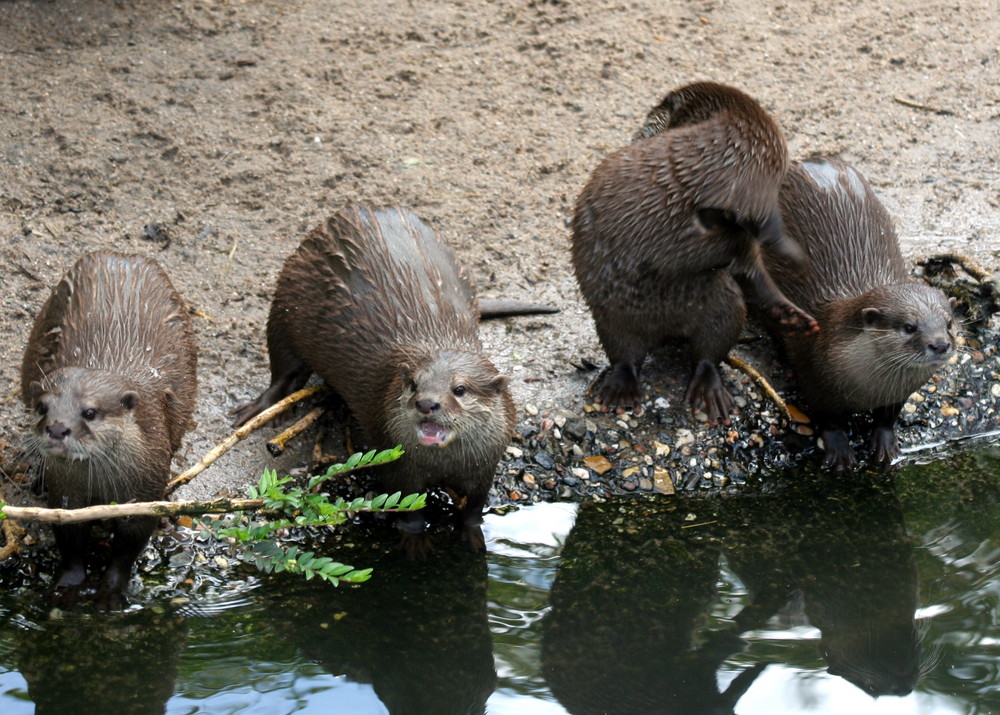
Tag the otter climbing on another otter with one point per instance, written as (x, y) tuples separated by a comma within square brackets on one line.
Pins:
[(667, 236)]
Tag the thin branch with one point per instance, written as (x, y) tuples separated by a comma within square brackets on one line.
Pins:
[(277, 445), (967, 264), (923, 107), (754, 375), (239, 435), (117, 511)]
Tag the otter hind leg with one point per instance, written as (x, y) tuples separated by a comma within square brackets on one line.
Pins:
[(288, 374)]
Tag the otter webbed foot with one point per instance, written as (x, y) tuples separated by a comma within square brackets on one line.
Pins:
[(793, 319), (416, 547), (884, 445), (838, 454), (619, 387), (705, 393), (69, 586)]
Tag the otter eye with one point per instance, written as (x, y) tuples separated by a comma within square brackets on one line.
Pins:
[(89, 414), (413, 385), (458, 390), (42, 408), (909, 328)]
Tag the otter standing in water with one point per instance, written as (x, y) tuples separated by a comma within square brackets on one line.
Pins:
[(375, 303), (667, 236), (110, 371), (882, 335)]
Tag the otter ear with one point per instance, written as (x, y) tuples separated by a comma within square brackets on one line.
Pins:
[(952, 302), (498, 384), (35, 390), (872, 317), (405, 371), (129, 399)]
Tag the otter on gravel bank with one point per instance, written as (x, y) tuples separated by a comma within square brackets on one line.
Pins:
[(667, 235), (376, 305), (882, 335), (110, 372)]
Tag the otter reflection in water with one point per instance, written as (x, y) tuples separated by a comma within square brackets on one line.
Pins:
[(638, 579)]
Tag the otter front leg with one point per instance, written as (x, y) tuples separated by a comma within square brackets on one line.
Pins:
[(72, 541), (838, 454), (884, 444), (130, 537), (472, 519), (415, 543)]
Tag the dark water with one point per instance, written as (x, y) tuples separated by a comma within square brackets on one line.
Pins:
[(867, 594)]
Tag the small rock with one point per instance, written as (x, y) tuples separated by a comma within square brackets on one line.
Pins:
[(531, 410), (646, 484), (599, 464), (580, 473), (629, 485), (683, 437), (949, 411), (662, 450), (662, 483), (661, 403), (631, 471), (515, 452), (545, 460)]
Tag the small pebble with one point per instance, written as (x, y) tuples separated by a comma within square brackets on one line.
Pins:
[(531, 410)]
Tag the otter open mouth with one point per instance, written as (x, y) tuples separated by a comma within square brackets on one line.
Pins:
[(431, 434)]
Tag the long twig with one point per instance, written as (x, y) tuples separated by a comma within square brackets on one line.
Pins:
[(239, 435), (117, 511), (923, 107), (967, 264), (754, 375), (276, 446)]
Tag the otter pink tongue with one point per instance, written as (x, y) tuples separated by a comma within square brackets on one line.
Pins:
[(432, 434)]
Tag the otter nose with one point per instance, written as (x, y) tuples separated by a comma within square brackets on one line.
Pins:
[(58, 430), (425, 407), (940, 347)]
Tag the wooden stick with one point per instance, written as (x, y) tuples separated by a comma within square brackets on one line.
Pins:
[(968, 265), (239, 435), (766, 386), (923, 107), (277, 445), (117, 511)]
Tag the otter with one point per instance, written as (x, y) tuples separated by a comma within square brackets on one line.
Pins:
[(667, 235), (376, 304), (110, 373), (882, 335)]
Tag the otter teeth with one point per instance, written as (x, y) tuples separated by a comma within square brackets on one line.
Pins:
[(431, 434)]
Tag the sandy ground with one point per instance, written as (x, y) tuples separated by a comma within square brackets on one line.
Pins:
[(236, 126)]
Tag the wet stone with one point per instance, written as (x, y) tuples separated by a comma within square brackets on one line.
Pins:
[(545, 460)]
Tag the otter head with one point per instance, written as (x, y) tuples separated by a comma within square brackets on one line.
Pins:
[(447, 397), (81, 413), (915, 325)]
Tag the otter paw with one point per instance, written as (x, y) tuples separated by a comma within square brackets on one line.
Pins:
[(416, 547), (705, 393), (472, 534), (838, 454), (619, 388), (884, 445), (795, 320)]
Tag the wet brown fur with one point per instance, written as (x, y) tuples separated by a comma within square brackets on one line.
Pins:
[(110, 370), (667, 235), (882, 335), (376, 305)]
